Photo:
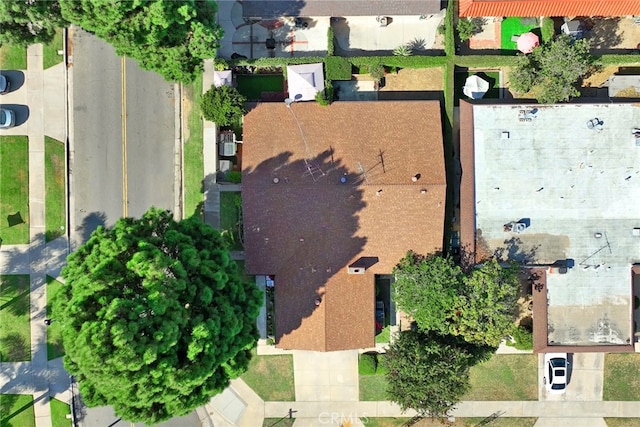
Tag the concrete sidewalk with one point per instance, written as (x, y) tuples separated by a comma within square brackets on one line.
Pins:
[(43, 92)]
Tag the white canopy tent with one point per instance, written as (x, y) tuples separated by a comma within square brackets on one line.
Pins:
[(475, 87), (305, 81), (222, 78)]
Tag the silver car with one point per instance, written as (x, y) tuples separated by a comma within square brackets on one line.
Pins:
[(7, 118), (556, 367)]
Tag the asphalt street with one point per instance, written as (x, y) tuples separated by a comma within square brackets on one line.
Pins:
[(122, 157)]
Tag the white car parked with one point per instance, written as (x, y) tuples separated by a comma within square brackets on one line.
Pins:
[(556, 367)]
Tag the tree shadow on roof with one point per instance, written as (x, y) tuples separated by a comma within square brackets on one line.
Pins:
[(300, 224)]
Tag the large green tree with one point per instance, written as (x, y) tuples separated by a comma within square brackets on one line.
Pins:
[(24, 22), (478, 306), (553, 69), (487, 309), (156, 317), (428, 289), (169, 37), (428, 372)]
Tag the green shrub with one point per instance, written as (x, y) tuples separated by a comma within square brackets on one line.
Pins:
[(326, 97), (547, 29), (417, 61), (277, 62), (368, 364), (337, 68), (442, 29), (381, 368), (403, 50), (376, 71), (234, 177), (449, 36), (331, 42), (522, 339), (466, 28), (618, 59), (222, 105), (220, 64)]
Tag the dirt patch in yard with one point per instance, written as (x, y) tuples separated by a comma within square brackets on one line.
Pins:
[(431, 79), (599, 77)]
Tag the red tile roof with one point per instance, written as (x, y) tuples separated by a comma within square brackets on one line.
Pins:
[(306, 228), (534, 8)]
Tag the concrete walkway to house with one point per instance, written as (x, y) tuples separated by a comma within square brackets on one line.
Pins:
[(44, 94)]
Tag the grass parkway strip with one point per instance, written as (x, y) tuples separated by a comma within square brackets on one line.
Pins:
[(14, 190)]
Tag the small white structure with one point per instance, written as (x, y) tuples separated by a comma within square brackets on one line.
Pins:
[(305, 81), (475, 87), (222, 78)]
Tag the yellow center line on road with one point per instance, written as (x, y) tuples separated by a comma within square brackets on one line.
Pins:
[(124, 137)]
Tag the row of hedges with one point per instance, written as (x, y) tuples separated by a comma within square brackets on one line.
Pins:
[(337, 68), (371, 364)]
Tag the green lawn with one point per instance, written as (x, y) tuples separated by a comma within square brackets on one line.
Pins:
[(54, 331), (622, 422), (193, 160), (621, 380), (373, 387), (14, 189), (13, 57), (493, 77), (252, 85), (59, 412), (500, 422), (16, 410), (384, 336), (230, 212), (271, 377), (384, 421), (279, 422), (505, 377), (513, 26), (55, 200), (50, 56), (15, 333)]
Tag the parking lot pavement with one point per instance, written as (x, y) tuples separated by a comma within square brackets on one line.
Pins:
[(586, 372)]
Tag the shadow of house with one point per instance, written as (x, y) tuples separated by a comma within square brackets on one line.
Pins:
[(329, 202)]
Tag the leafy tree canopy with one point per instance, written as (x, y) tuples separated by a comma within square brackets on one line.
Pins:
[(24, 22), (156, 317), (440, 297), (169, 37), (428, 372), (428, 289), (488, 304), (553, 69), (223, 105)]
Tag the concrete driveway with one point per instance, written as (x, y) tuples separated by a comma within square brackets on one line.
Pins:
[(330, 376), (585, 378)]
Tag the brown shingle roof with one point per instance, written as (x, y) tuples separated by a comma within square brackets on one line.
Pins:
[(308, 227), (535, 8), (272, 9)]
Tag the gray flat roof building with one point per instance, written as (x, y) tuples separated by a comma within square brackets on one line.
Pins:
[(571, 174)]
